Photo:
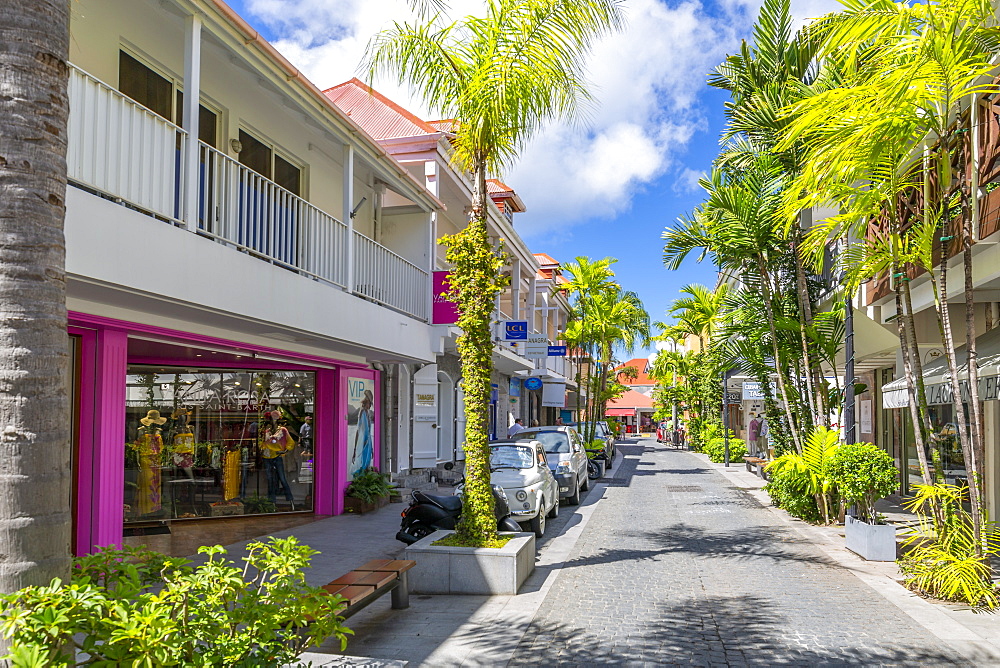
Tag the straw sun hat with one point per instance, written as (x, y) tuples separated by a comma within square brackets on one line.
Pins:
[(152, 417)]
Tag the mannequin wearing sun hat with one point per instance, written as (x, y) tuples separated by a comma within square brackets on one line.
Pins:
[(183, 446), (150, 444)]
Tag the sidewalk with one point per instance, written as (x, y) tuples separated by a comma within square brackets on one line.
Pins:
[(976, 636)]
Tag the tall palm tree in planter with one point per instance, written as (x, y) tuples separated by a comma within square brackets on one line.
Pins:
[(501, 76), (34, 408)]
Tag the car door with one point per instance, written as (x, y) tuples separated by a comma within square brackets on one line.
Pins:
[(579, 456), (550, 488)]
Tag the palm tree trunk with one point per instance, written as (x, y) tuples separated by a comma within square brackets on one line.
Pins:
[(910, 373), (474, 275), (805, 308), (35, 481), (772, 327)]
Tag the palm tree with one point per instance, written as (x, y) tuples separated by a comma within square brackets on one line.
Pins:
[(502, 76), (35, 513), (699, 313)]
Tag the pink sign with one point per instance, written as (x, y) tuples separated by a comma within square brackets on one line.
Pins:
[(445, 311)]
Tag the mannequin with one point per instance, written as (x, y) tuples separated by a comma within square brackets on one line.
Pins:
[(150, 442), (274, 443), (183, 442)]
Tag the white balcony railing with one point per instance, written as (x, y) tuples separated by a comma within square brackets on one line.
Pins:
[(387, 278), (122, 149), (240, 206)]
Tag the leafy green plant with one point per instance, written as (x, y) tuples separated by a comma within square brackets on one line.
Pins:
[(863, 473), (369, 485), (786, 493), (136, 607), (256, 505), (941, 552), (809, 474), (716, 449)]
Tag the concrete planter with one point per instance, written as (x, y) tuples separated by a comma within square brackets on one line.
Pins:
[(470, 570), (874, 542)]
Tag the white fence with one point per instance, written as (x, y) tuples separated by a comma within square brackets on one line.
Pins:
[(387, 278), (122, 149), (238, 205)]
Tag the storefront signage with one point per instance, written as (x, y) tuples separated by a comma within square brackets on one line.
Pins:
[(360, 424), (444, 311), (515, 387), (733, 397), (557, 351), (425, 400), (536, 348), (554, 394), (752, 391), (515, 330), (532, 383)]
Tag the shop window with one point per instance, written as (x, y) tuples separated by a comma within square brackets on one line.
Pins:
[(217, 443)]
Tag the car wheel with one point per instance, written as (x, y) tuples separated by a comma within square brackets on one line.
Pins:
[(586, 483), (575, 499), (554, 513), (538, 521)]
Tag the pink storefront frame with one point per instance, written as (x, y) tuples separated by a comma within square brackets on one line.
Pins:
[(103, 368)]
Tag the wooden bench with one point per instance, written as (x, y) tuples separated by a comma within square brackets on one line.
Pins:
[(755, 465), (367, 583)]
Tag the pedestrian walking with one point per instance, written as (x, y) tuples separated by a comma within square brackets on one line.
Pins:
[(514, 428)]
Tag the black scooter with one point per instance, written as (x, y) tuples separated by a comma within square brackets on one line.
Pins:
[(428, 513)]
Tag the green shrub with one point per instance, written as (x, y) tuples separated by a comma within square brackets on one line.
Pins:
[(809, 474), (941, 559), (369, 485), (716, 449), (863, 473), (788, 496), (134, 607)]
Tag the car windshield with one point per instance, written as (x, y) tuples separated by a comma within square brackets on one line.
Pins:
[(511, 457), (552, 441), (599, 428)]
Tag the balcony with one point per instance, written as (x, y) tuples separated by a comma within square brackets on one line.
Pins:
[(124, 152)]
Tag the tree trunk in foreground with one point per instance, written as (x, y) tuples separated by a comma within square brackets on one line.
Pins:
[(35, 479)]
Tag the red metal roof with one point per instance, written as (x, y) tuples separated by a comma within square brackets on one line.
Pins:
[(545, 259), (640, 364), (375, 113), (631, 399)]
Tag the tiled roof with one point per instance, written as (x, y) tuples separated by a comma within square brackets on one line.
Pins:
[(496, 187), (375, 113), (631, 399), (640, 364), (545, 259)]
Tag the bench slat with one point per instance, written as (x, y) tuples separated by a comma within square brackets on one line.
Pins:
[(350, 578), (396, 566), (378, 579), (353, 593), (374, 565)]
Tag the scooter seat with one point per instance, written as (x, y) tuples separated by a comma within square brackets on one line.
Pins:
[(450, 503)]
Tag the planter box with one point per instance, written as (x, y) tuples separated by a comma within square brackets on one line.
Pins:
[(354, 505), (223, 511), (874, 542), (470, 570)]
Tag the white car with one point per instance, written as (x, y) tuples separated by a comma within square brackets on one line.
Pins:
[(520, 468)]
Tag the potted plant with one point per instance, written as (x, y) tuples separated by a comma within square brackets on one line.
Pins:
[(369, 490), (864, 473)]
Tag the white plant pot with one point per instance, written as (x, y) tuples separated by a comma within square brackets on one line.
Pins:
[(874, 542), (470, 570)]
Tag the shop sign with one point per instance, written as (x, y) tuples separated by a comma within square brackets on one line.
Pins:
[(444, 311), (752, 391), (733, 397), (554, 394), (494, 393), (425, 400), (515, 330), (536, 348), (515, 387), (533, 383), (557, 351)]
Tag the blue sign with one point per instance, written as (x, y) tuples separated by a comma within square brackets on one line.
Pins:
[(515, 387), (532, 383), (516, 330), (557, 351)]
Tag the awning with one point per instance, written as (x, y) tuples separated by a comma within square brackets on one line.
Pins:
[(937, 379), (620, 412)]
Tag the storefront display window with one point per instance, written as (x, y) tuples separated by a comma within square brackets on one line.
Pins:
[(946, 459), (214, 443)]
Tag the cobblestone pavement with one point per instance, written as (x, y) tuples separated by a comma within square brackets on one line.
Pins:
[(678, 567)]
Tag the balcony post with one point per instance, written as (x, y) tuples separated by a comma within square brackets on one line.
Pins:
[(348, 217), (192, 97), (515, 289), (433, 185)]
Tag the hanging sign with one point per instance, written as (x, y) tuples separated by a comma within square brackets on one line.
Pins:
[(733, 397), (515, 330), (444, 311), (536, 348), (557, 351), (533, 383), (752, 391), (554, 394), (515, 387)]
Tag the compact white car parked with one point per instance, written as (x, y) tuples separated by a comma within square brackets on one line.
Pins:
[(520, 468)]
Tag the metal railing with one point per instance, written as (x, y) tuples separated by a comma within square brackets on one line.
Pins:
[(238, 205), (119, 148), (387, 278)]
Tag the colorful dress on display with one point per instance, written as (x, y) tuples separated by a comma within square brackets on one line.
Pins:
[(184, 450), (149, 499), (231, 474), (366, 443)]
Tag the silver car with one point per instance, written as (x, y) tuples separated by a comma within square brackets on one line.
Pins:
[(566, 457), (520, 467)]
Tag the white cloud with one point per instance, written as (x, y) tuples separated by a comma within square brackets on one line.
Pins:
[(646, 85)]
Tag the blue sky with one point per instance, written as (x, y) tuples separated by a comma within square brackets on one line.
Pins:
[(605, 186)]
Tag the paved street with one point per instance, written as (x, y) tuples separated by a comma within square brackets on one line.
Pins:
[(670, 562)]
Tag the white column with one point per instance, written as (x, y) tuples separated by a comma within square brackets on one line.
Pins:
[(515, 289), (532, 301), (433, 185), (348, 206), (192, 97)]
